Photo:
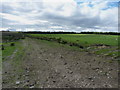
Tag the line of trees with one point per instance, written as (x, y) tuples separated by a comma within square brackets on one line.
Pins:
[(105, 33)]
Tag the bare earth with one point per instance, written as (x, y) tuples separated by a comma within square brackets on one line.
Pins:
[(52, 67)]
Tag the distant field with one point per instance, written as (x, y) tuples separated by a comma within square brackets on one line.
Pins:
[(105, 45), (84, 39)]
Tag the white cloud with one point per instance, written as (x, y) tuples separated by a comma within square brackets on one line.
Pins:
[(58, 0), (110, 17), (21, 19), (3, 29), (63, 14), (56, 27)]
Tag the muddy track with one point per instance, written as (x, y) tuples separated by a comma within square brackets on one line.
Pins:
[(52, 67)]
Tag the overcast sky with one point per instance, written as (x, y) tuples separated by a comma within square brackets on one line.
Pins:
[(59, 15)]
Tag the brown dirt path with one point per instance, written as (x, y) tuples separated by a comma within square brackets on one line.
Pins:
[(53, 67)]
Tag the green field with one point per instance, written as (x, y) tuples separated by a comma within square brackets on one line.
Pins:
[(84, 39), (105, 45)]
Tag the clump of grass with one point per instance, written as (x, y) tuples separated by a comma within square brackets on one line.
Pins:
[(12, 44), (2, 48), (8, 49), (114, 54), (86, 42), (110, 61), (102, 51)]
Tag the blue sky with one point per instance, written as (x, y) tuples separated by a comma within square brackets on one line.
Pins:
[(60, 15)]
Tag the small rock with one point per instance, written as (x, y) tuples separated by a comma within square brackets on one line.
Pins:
[(54, 81), (105, 85), (76, 63), (88, 47), (64, 76), (95, 69), (70, 72), (27, 71), (100, 71), (66, 85), (110, 69), (99, 62), (94, 60), (49, 86), (17, 82), (18, 77), (61, 56), (3, 82), (28, 53), (25, 84), (27, 81), (65, 63), (90, 65), (5, 72), (32, 86), (26, 75), (90, 78), (46, 60)]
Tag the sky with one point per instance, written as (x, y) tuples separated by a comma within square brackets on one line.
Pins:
[(59, 15)]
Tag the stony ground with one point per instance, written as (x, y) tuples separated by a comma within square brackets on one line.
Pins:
[(46, 66)]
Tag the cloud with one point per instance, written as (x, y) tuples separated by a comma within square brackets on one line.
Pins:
[(67, 15)]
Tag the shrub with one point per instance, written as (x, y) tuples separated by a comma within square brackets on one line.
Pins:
[(12, 44), (23, 38), (2, 48)]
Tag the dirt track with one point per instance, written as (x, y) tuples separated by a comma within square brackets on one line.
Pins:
[(53, 67)]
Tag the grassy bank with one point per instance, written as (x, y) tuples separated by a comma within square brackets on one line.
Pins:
[(106, 45)]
